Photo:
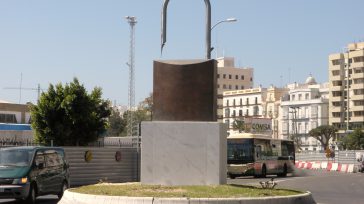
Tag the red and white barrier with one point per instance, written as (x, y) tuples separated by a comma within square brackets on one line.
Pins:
[(334, 166), (328, 166)]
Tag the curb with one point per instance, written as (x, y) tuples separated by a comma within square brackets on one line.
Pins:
[(78, 198)]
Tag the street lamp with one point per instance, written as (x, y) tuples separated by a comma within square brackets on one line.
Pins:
[(228, 20)]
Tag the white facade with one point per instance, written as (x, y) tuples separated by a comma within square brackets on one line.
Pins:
[(229, 78), (242, 103), (305, 107)]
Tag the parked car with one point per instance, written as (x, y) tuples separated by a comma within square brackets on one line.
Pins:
[(28, 172)]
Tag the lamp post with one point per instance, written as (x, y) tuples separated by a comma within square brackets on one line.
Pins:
[(228, 20)]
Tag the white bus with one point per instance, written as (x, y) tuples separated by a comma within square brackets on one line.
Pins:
[(259, 155)]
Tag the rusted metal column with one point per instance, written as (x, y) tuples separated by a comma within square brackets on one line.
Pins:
[(208, 27)]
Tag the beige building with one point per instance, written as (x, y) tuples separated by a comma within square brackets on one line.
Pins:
[(14, 113), (271, 107), (260, 104), (346, 78), (230, 78)]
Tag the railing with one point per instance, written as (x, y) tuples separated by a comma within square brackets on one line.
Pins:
[(343, 157)]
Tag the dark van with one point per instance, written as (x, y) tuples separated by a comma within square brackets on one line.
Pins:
[(28, 172)]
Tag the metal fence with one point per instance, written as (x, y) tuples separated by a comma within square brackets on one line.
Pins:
[(343, 157)]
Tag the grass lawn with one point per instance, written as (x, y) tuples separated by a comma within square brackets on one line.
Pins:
[(218, 191)]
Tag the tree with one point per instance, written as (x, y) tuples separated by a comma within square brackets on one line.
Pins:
[(354, 140), (138, 116), (68, 115), (323, 134), (239, 125), (116, 123), (147, 105)]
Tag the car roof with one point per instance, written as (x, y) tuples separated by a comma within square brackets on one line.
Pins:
[(31, 148)]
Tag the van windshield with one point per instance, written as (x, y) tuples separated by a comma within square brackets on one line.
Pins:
[(15, 157)]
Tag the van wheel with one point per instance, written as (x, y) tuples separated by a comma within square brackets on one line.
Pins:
[(64, 188), (232, 176), (32, 196)]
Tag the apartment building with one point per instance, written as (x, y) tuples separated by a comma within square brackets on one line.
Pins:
[(346, 79), (271, 107), (230, 78), (240, 104), (303, 108)]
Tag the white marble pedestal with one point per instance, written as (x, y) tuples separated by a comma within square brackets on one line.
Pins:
[(183, 153)]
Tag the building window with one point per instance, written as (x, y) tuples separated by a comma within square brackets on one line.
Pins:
[(242, 87), (251, 78), (8, 118), (224, 86), (230, 86), (359, 59), (335, 72), (256, 100), (256, 110), (247, 112), (336, 62), (236, 77), (236, 87), (242, 77), (247, 101), (234, 113), (240, 112), (218, 86), (233, 102), (224, 76), (307, 96), (299, 97), (227, 112), (218, 75), (227, 122), (227, 102), (229, 76), (293, 97), (241, 101)]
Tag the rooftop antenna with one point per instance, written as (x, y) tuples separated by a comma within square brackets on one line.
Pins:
[(21, 82), (38, 89)]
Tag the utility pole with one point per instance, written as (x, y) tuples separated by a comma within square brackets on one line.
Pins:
[(131, 92)]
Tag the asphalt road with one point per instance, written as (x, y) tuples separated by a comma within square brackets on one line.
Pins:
[(50, 199), (326, 187)]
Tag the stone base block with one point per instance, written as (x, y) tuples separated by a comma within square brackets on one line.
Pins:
[(183, 153)]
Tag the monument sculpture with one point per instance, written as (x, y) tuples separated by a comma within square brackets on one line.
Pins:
[(183, 144)]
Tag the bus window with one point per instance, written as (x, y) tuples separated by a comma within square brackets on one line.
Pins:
[(240, 151), (288, 149)]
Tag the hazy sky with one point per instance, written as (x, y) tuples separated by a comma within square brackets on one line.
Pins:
[(52, 41)]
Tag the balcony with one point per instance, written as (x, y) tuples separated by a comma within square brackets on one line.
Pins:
[(357, 97), (357, 86), (357, 108), (335, 109), (356, 118), (357, 64), (337, 88), (336, 78)]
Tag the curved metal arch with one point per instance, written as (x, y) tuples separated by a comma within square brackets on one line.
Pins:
[(208, 27)]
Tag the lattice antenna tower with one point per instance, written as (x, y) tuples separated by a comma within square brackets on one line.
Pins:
[(131, 92)]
